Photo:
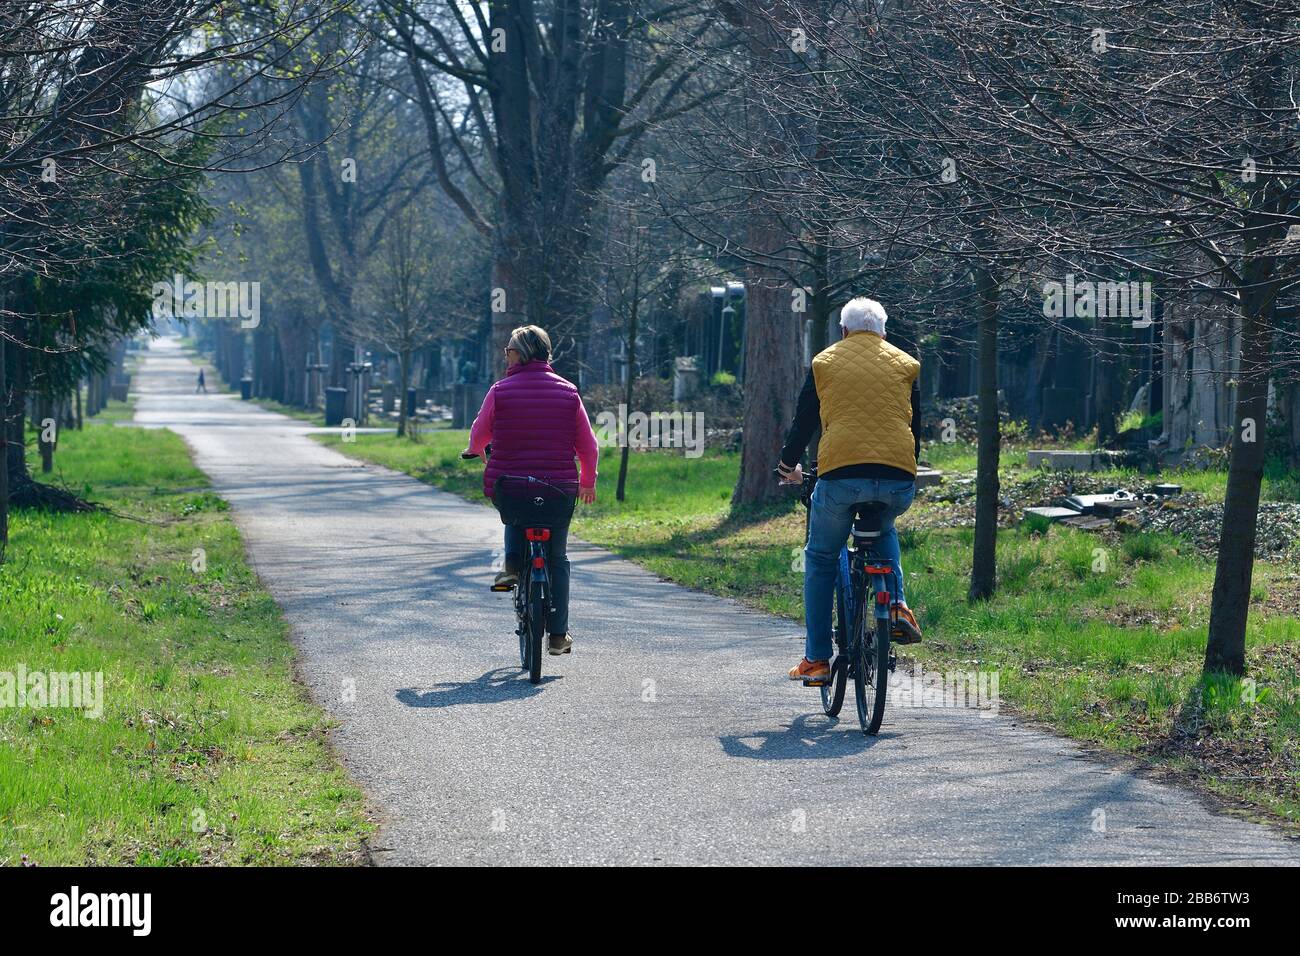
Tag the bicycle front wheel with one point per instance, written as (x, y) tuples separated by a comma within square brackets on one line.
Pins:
[(536, 631), (871, 670), (833, 692)]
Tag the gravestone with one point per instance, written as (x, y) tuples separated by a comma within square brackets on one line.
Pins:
[(686, 378), (1062, 460), (925, 477), (1052, 513)]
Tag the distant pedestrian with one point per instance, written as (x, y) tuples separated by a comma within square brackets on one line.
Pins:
[(203, 384)]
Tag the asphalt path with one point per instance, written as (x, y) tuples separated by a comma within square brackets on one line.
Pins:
[(669, 736)]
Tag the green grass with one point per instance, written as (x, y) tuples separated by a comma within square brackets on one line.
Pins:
[(314, 416), (1103, 646), (114, 411), (208, 751)]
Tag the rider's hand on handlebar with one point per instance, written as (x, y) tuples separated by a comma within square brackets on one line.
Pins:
[(789, 475), (587, 495)]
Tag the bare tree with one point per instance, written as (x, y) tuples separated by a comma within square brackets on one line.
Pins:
[(540, 102), (417, 289)]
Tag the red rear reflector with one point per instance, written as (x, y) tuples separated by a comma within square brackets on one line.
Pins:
[(882, 597), (538, 534), (539, 561)]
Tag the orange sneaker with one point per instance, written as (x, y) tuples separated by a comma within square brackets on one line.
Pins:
[(807, 670), (905, 630)]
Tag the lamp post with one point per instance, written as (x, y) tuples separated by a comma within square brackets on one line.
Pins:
[(358, 381), (724, 328), (311, 381)]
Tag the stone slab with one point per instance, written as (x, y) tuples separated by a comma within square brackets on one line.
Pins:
[(1052, 513)]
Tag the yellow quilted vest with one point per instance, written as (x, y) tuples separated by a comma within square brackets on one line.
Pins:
[(864, 386)]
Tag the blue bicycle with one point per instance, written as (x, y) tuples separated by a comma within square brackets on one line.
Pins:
[(862, 639)]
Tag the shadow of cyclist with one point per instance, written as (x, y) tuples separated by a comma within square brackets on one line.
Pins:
[(808, 737), (497, 686)]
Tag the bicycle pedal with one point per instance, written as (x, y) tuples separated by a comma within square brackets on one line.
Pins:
[(501, 587), (816, 683)]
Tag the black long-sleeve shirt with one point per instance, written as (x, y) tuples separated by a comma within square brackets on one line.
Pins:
[(808, 415)]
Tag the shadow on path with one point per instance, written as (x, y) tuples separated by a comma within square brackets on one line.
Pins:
[(497, 686), (807, 737)]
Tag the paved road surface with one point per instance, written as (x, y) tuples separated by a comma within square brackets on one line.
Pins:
[(670, 734)]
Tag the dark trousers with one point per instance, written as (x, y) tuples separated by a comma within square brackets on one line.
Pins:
[(557, 563)]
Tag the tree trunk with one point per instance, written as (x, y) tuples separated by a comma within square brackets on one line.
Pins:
[(1293, 431), (17, 415), (984, 566), (1105, 397), (4, 437), (773, 357), (44, 415), (819, 337), (772, 364), (1225, 649), (631, 380), (404, 375), (507, 283)]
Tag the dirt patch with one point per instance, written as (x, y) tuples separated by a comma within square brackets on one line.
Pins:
[(1277, 530)]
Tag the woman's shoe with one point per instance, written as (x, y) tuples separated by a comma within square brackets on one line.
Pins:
[(905, 629), (561, 644), (811, 671)]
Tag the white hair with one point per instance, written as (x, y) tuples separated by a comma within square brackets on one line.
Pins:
[(863, 315)]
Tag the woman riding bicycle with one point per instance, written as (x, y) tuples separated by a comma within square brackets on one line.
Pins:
[(536, 425)]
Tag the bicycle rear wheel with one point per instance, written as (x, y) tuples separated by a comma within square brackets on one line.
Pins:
[(522, 587), (536, 631), (871, 670), (833, 692)]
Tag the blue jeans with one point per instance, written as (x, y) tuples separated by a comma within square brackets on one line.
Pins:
[(830, 522)]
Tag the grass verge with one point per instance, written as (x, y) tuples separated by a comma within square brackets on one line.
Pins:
[(1099, 638), (207, 751)]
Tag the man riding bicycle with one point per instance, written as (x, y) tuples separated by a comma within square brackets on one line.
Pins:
[(536, 425), (865, 395)]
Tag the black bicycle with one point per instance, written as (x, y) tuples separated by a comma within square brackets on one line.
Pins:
[(862, 640), (536, 506)]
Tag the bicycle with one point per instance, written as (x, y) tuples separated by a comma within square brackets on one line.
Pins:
[(862, 651), (537, 506)]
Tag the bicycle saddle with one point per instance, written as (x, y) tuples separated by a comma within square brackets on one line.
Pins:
[(868, 519)]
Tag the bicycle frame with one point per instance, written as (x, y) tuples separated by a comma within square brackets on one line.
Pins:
[(537, 541), (534, 602)]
